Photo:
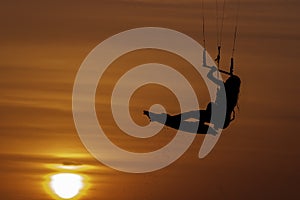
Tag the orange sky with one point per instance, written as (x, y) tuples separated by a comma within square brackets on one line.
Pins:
[(42, 45)]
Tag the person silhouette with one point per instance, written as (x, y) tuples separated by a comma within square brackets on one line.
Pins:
[(181, 121)]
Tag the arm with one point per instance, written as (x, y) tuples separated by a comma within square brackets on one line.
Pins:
[(213, 78), (212, 70), (222, 71)]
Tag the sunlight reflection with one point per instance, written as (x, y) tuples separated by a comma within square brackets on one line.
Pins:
[(70, 167), (67, 181), (66, 185)]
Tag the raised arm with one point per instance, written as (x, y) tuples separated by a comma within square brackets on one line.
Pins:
[(212, 70), (211, 76)]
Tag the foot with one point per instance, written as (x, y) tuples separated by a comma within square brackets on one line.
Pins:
[(145, 112)]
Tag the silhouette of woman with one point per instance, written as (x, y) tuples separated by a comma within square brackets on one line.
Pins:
[(232, 89)]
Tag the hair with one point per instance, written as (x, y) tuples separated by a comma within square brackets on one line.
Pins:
[(232, 88)]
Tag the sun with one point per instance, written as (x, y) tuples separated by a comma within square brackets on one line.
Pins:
[(66, 185)]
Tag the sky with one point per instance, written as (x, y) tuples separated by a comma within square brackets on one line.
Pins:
[(43, 44)]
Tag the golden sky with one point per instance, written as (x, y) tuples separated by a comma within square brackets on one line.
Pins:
[(43, 44)]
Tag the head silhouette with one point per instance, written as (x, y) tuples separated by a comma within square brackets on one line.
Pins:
[(232, 87)]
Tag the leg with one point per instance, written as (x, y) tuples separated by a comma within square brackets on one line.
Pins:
[(201, 115), (203, 128), (205, 115), (195, 114), (178, 124), (154, 117), (168, 120)]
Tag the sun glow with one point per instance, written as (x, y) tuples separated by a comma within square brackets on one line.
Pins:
[(66, 185)]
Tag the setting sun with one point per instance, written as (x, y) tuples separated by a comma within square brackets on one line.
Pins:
[(66, 185)]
